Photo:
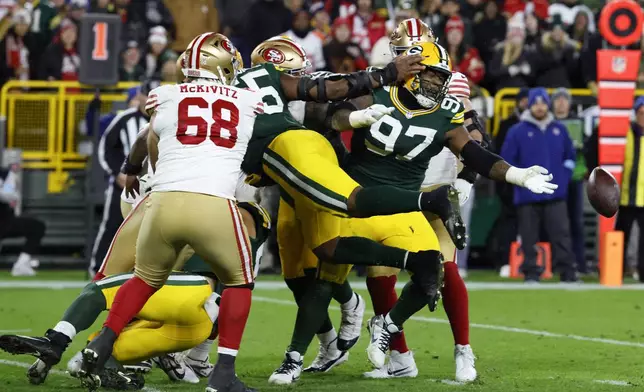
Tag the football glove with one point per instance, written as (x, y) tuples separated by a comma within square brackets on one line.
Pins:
[(366, 117), (534, 178), (464, 189)]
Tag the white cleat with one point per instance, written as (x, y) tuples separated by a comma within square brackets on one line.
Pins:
[(289, 371), (351, 325), (399, 366), (465, 369), (201, 368), (380, 337), (74, 364), (175, 367), (328, 357), (22, 267)]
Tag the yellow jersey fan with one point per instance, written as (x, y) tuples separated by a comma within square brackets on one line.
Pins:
[(430, 85), (408, 33), (285, 54), (211, 56)]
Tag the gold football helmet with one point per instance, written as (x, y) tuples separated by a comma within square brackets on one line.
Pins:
[(430, 86), (287, 55), (211, 56), (409, 32)]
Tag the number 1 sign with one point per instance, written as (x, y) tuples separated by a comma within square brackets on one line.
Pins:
[(99, 48)]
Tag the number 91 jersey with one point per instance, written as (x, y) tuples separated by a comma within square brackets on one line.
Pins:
[(204, 129), (397, 149)]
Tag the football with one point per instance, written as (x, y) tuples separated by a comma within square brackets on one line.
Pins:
[(603, 192)]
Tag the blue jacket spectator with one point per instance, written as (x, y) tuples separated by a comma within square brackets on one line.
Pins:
[(540, 141)]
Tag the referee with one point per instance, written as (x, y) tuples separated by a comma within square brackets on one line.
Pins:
[(113, 147)]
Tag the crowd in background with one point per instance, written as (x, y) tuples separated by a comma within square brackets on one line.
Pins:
[(496, 43)]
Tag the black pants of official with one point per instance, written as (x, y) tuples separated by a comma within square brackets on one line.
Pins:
[(32, 229), (552, 218), (626, 216), (112, 219)]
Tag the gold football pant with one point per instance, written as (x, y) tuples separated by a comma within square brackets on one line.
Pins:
[(122, 251), (296, 257), (174, 319), (212, 226)]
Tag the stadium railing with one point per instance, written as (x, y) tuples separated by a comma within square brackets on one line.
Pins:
[(43, 119)]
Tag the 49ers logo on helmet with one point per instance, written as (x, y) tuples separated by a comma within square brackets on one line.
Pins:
[(228, 47), (274, 56)]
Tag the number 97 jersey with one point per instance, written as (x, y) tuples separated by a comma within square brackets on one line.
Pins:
[(396, 150), (204, 129)]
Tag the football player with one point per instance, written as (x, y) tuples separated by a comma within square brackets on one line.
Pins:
[(195, 128), (381, 281), (425, 120)]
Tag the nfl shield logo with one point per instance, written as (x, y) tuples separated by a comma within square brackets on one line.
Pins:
[(619, 64)]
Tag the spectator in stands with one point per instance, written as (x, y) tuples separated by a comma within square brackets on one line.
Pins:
[(532, 31), (341, 54), (464, 59), (196, 16), (102, 7), (448, 9), (472, 10), (112, 149), (302, 33), (12, 226), (260, 27), (580, 32), (557, 57), (61, 60), (131, 69), (143, 15), (430, 13), (489, 31), (512, 65), (158, 52), (15, 48), (538, 139), (321, 22), (631, 206), (367, 26), (42, 31), (561, 101), (77, 8), (538, 7)]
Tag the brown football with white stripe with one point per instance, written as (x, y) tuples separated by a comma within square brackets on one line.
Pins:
[(603, 192)]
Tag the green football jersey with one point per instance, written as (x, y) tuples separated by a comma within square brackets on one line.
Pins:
[(396, 150), (276, 118)]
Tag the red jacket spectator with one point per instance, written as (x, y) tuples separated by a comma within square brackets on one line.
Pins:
[(367, 26), (540, 7), (464, 59)]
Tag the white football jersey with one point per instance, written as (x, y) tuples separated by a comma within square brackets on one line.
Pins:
[(443, 167), (204, 129)]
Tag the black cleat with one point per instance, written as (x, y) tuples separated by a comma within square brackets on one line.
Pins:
[(48, 349), (224, 379), (443, 202), (121, 380), (95, 355), (143, 367), (427, 275), (236, 385)]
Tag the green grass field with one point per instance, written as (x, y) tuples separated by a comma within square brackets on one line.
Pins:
[(536, 339)]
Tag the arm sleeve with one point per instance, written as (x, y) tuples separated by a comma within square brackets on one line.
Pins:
[(110, 148)]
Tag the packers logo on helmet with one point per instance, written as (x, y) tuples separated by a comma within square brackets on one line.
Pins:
[(211, 56), (430, 86), (409, 32), (287, 55)]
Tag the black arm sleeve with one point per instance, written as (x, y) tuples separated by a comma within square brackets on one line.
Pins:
[(468, 175), (478, 159), (359, 83)]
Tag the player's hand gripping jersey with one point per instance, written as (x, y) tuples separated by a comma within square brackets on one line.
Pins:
[(204, 129)]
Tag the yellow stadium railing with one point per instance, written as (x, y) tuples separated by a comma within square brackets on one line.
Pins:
[(43, 118)]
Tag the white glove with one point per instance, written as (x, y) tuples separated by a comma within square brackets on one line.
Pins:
[(371, 115), (464, 189), (535, 178)]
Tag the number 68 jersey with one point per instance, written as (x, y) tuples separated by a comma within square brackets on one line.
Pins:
[(397, 149), (204, 129)]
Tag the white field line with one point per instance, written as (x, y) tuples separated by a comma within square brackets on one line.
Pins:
[(614, 382), (360, 285), (55, 371), (488, 326)]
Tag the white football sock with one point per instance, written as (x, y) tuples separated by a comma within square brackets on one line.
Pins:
[(328, 337), (201, 352), (350, 304), (66, 329)]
